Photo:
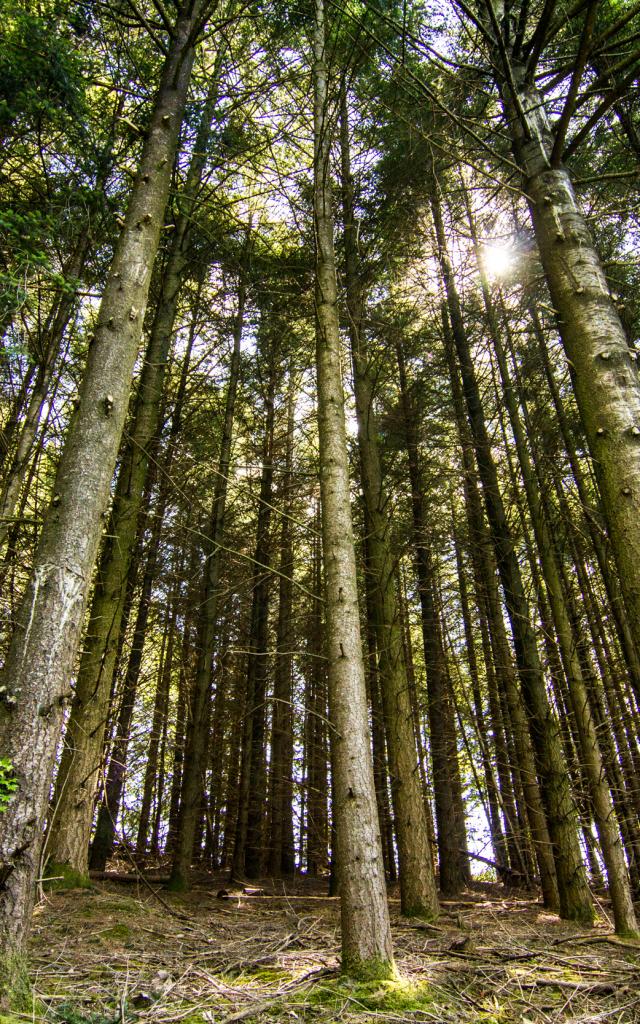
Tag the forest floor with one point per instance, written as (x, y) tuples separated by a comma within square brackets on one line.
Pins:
[(121, 953)]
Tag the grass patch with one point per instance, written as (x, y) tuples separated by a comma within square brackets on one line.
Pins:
[(118, 905)]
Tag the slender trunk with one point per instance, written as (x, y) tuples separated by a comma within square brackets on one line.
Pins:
[(378, 741), (157, 729), (366, 932), (40, 660), (506, 701), (493, 817), (314, 837), (592, 514), (281, 769), (590, 754), (248, 853), (13, 477), (442, 743), (179, 733), (102, 845)]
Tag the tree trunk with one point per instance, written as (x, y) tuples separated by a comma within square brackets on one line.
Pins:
[(314, 841), (248, 851), (102, 845), (40, 660), (68, 841), (603, 367), (506, 703), (13, 477), (442, 743), (493, 816), (366, 932), (151, 775), (589, 748), (592, 515), (281, 769)]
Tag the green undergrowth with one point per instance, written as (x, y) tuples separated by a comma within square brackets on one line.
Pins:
[(396, 995), (120, 905)]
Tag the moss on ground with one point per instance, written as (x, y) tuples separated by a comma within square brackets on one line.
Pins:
[(262, 975), (63, 876), (396, 995), (118, 932)]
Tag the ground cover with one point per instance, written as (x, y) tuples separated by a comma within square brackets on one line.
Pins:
[(126, 952)]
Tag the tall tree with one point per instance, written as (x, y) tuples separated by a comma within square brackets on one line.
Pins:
[(366, 933), (40, 661)]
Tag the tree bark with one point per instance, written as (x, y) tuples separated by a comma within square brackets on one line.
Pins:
[(603, 367), (589, 748), (102, 844), (442, 742), (281, 859), (248, 851)]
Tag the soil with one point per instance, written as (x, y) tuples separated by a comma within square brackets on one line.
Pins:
[(125, 952)]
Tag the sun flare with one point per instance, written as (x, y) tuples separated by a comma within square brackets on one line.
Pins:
[(497, 259)]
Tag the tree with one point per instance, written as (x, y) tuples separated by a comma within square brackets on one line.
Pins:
[(39, 664), (366, 934)]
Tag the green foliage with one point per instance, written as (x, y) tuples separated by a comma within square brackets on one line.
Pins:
[(22, 233), (40, 72), (8, 782)]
